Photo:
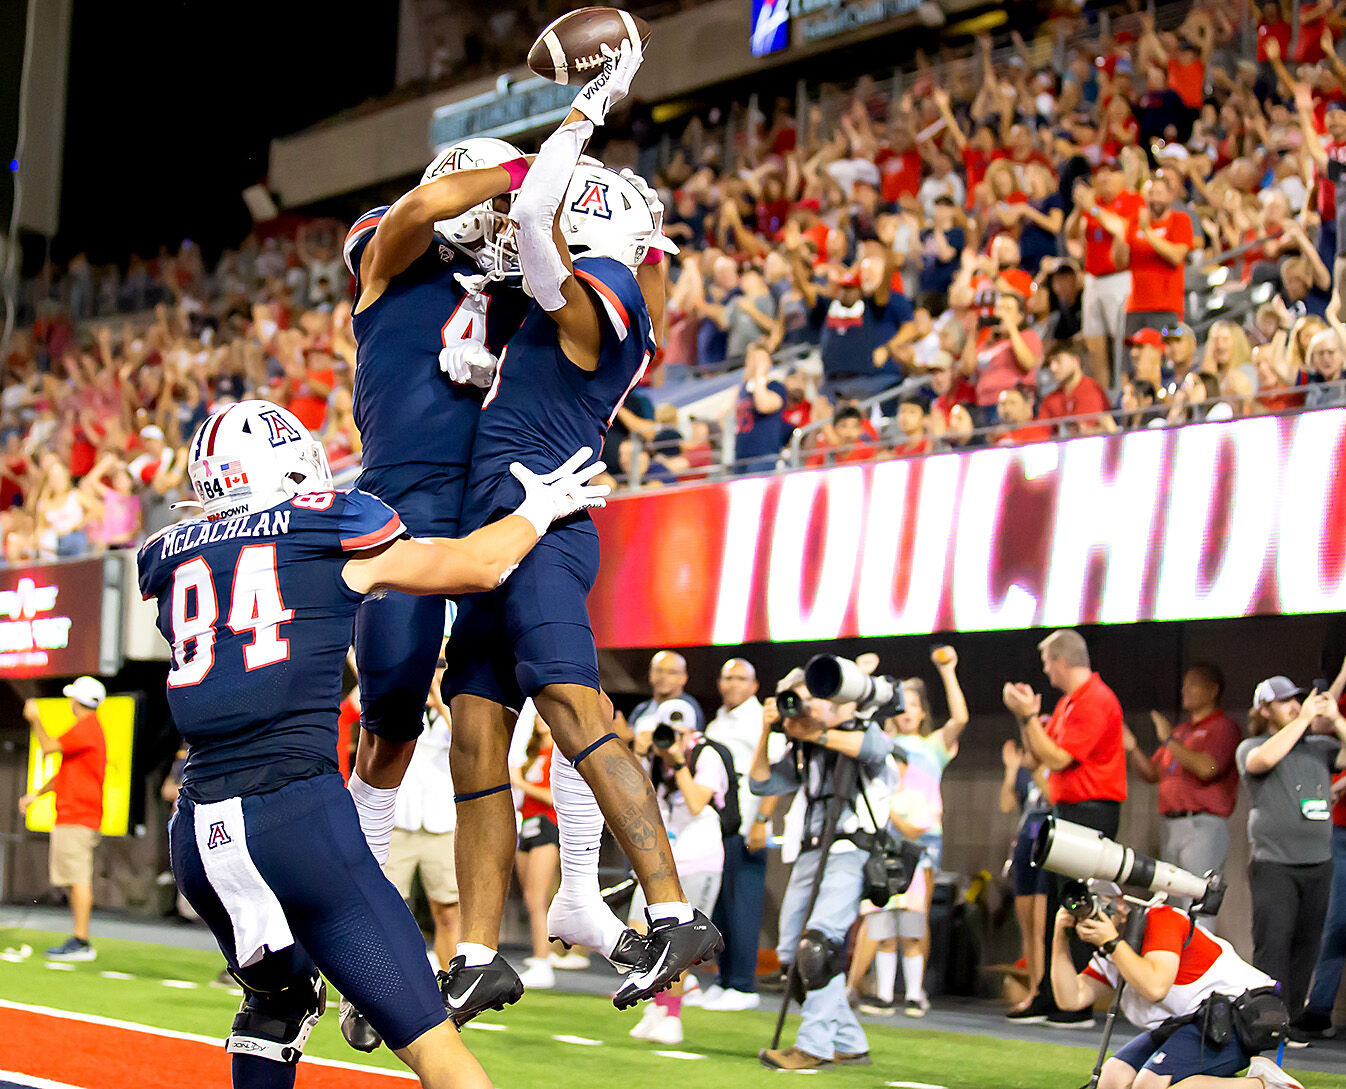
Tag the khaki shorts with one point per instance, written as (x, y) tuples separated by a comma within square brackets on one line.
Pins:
[(429, 852), (70, 861)]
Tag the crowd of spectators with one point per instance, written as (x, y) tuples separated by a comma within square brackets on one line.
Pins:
[(999, 248)]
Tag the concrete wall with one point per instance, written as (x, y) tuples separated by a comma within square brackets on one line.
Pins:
[(689, 51)]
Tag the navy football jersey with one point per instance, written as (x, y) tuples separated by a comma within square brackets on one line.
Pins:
[(542, 408), (259, 620), (406, 408)]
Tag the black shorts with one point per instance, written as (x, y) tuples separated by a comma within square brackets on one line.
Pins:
[(538, 831)]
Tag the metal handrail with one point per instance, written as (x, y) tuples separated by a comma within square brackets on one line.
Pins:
[(908, 385)]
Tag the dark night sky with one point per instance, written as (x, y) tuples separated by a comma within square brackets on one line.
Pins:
[(171, 107)]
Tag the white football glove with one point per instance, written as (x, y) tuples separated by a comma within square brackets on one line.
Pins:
[(651, 197), (562, 492), (612, 83), (468, 363)]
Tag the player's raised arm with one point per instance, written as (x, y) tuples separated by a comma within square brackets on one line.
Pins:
[(408, 227), (481, 560), (544, 256)]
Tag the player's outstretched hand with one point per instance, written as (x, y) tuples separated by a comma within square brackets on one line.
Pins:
[(562, 492), (612, 83), (468, 363)]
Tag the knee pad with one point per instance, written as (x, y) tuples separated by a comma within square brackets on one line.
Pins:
[(818, 960), (276, 1025)]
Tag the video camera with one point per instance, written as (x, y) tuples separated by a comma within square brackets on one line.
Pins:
[(840, 680), (1085, 853)]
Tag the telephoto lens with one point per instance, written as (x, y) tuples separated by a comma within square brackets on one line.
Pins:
[(663, 737), (790, 704)]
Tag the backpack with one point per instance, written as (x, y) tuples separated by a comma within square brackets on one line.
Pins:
[(731, 816)]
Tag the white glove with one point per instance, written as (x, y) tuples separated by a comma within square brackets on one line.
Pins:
[(609, 87), (562, 492), (651, 197), (468, 363)]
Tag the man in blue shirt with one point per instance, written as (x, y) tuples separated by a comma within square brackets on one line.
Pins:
[(762, 428)]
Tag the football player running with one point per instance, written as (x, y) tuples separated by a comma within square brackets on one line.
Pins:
[(588, 242), (258, 600)]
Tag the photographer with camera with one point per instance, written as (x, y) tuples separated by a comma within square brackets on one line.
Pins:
[(1205, 1012), (828, 744), (696, 787)]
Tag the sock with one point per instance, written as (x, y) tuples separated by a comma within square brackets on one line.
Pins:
[(885, 975), (251, 1072), (671, 1003), (913, 971), (674, 909), (475, 955), (375, 807), (580, 824)]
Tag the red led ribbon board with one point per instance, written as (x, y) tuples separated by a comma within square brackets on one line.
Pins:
[(1199, 522), (51, 619)]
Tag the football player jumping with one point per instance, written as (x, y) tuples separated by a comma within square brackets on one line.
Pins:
[(588, 242), (258, 600)]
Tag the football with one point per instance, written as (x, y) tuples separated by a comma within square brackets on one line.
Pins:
[(569, 50)]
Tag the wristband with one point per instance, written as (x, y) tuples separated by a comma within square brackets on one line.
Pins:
[(822, 738), (516, 169), (1108, 947), (677, 768)]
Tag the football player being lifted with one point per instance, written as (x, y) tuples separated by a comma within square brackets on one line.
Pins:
[(589, 242)]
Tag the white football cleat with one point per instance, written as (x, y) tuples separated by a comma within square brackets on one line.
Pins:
[(537, 974), (569, 962), (730, 1000), (1271, 1075), (667, 1030), (653, 1015)]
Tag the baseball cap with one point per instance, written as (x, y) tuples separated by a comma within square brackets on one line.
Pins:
[(87, 691), (1147, 336), (1164, 150), (849, 279), (940, 361), (677, 713), (1275, 688), (1018, 281), (152, 431), (1177, 332), (1106, 890)]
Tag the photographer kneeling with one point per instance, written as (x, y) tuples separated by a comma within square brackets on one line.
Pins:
[(1202, 1007), (822, 734)]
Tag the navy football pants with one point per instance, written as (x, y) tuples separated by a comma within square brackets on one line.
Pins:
[(398, 637), (346, 917)]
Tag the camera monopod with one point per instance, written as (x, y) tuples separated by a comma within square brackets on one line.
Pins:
[(1134, 936), (845, 780)]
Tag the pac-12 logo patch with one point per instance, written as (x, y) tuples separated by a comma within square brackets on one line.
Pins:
[(593, 201), (281, 430), (218, 836)]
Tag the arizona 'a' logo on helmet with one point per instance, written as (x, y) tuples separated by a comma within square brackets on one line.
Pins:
[(281, 430), (593, 200)]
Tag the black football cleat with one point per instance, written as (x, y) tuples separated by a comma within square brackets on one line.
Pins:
[(673, 948), (359, 1033), (470, 991), (632, 953)]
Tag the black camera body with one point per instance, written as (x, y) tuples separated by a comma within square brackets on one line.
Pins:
[(664, 736), (790, 704), (1079, 901)]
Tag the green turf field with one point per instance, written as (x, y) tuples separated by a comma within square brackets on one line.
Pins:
[(525, 1053)]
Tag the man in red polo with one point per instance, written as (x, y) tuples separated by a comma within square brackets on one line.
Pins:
[(1081, 746), (1076, 394), (1102, 211), (78, 786), (1194, 767), (1158, 242)]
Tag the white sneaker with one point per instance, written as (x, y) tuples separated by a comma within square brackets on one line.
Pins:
[(537, 975), (1271, 1075), (653, 1015), (711, 994), (569, 962), (731, 1000), (692, 994), (668, 1030), (590, 923)]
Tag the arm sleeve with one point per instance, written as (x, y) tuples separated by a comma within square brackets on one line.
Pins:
[(1165, 931), (1221, 744), (357, 238), (78, 738), (535, 209), (1083, 731), (366, 522)]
